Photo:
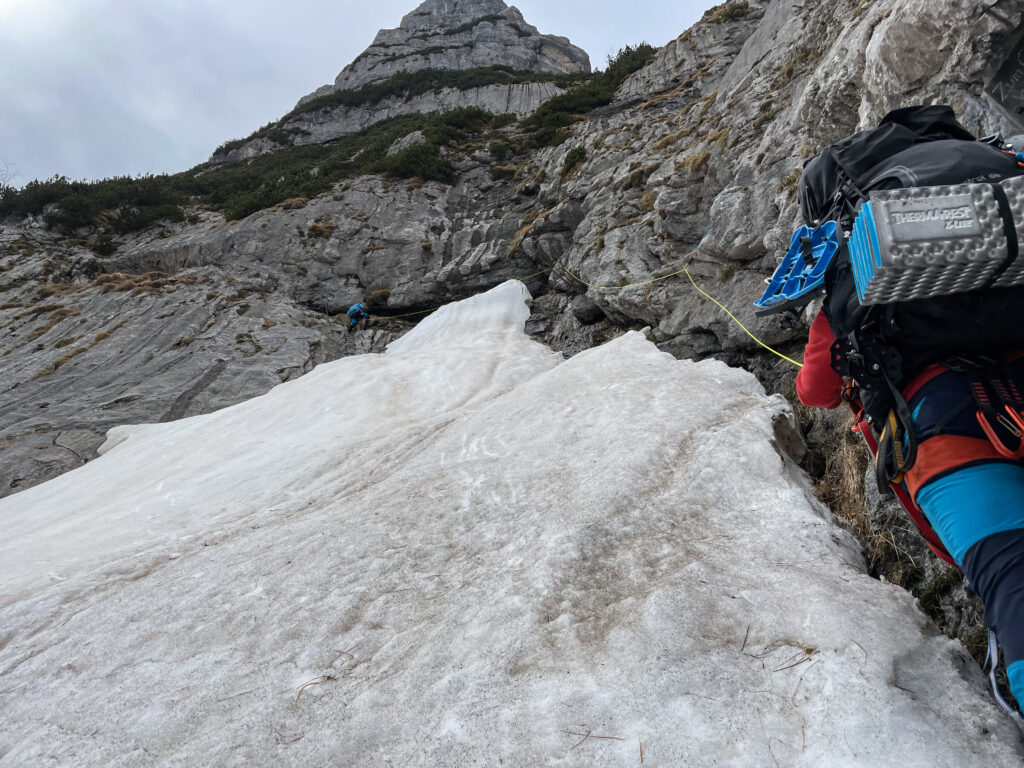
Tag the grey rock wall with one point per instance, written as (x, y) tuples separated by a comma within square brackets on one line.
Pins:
[(324, 125), (461, 34), (444, 35)]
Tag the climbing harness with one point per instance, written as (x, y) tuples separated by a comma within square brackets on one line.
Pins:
[(862, 427), (998, 400)]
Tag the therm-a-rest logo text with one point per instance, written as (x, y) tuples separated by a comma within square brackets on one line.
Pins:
[(960, 217)]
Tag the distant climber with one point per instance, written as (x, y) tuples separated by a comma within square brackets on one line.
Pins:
[(356, 313), (936, 362)]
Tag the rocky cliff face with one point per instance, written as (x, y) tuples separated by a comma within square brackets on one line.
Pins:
[(446, 35), (694, 166), (461, 34), (318, 126)]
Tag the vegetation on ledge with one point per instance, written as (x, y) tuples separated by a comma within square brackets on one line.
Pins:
[(123, 204), (406, 85), (548, 125)]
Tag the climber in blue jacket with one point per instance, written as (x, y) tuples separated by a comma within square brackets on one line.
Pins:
[(356, 313)]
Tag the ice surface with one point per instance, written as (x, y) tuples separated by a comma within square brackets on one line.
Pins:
[(467, 552)]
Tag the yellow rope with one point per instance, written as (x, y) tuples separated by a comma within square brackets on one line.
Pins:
[(741, 325), (618, 287), (684, 270), (410, 314)]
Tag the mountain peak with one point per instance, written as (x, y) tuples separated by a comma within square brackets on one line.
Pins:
[(447, 14), (462, 34)]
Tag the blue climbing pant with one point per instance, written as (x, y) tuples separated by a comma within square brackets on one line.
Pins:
[(978, 513), (1015, 672), (966, 506)]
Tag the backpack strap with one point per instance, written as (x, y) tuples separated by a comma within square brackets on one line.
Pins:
[(848, 194), (1009, 230)]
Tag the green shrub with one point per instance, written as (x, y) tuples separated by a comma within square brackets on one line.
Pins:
[(499, 150), (730, 11), (575, 157), (421, 160), (548, 123), (500, 121), (105, 245), (492, 17), (409, 84), (240, 189)]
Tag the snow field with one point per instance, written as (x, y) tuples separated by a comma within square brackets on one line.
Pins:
[(468, 552)]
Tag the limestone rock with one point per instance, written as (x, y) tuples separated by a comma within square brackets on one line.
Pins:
[(693, 167), (461, 34), (690, 175), (329, 123), (439, 35), (414, 139)]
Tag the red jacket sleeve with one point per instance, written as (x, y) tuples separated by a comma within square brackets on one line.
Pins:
[(817, 385)]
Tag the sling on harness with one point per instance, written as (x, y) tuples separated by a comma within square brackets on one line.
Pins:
[(863, 428)]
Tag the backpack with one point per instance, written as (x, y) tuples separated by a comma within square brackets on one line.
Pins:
[(882, 346)]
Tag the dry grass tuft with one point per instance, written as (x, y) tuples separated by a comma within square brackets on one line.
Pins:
[(38, 309), (291, 204), (696, 164), (55, 317), (674, 138), (720, 137), (149, 283), (789, 182), (378, 299), (841, 487), (322, 227), (49, 290)]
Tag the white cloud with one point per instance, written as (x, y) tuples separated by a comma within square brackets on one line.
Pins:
[(103, 87)]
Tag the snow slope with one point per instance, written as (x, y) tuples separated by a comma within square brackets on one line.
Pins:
[(468, 552)]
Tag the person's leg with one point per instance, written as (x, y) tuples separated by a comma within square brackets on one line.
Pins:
[(994, 567), (1015, 672), (966, 506), (978, 514)]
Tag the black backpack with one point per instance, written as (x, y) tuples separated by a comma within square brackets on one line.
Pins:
[(883, 346)]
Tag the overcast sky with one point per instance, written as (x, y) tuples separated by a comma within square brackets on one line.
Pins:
[(96, 88)]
